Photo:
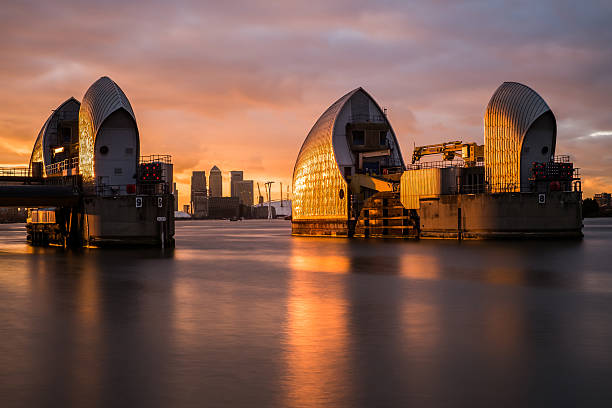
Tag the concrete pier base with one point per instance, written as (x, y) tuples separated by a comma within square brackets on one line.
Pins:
[(117, 221), (502, 216), (552, 215)]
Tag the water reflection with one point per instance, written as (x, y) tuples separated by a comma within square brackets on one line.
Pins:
[(63, 355), (305, 322), (420, 266), (453, 317), (316, 333), (320, 263)]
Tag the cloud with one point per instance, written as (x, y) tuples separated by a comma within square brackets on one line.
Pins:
[(240, 83), (601, 133)]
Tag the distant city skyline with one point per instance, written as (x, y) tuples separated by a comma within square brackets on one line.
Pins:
[(239, 187), (247, 102)]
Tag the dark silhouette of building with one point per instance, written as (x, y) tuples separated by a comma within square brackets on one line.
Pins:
[(216, 182), (175, 193), (244, 191), (235, 177), (199, 205), (604, 200), (223, 207), (13, 214)]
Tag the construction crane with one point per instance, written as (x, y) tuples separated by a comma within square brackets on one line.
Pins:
[(260, 200), (469, 152)]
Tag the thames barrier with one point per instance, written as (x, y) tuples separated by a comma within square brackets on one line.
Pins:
[(87, 184), (350, 179)]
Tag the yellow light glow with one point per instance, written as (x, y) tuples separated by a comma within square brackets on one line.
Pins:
[(317, 180), (317, 334)]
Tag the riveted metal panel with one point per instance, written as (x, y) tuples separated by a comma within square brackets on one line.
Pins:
[(317, 180)]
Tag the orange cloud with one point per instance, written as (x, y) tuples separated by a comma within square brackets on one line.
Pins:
[(240, 84)]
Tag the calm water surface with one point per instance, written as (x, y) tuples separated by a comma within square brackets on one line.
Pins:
[(243, 314)]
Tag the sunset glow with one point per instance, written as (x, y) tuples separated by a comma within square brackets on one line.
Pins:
[(239, 85)]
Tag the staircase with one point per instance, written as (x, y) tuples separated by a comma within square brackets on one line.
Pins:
[(384, 216)]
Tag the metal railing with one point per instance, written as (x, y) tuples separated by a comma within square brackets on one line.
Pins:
[(562, 158), (15, 172), (114, 190), (443, 164), (59, 167), (156, 158), (500, 188), (41, 216), (366, 117), (565, 186)]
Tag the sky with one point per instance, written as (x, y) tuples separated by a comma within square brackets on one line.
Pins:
[(239, 84)]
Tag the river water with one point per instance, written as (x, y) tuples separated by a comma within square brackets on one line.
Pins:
[(243, 314)]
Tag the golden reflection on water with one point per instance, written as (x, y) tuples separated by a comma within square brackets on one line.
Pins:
[(88, 352), (320, 263), (420, 318), (88, 298), (420, 266), (316, 333), (186, 317)]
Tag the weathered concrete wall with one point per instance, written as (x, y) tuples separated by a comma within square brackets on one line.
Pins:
[(117, 220), (507, 215)]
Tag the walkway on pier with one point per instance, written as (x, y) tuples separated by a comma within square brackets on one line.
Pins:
[(18, 188)]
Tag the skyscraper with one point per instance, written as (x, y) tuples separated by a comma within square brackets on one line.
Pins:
[(235, 176), (175, 193), (216, 183), (199, 204), (244, 191)]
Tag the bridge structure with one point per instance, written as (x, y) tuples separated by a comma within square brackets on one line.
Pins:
[(19, 188)]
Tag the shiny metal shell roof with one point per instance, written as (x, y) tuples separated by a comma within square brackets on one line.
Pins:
[(39, 153), (317, 178), (102, 99), (321, 132), (324, 126), (515, 105), (511, 112)]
